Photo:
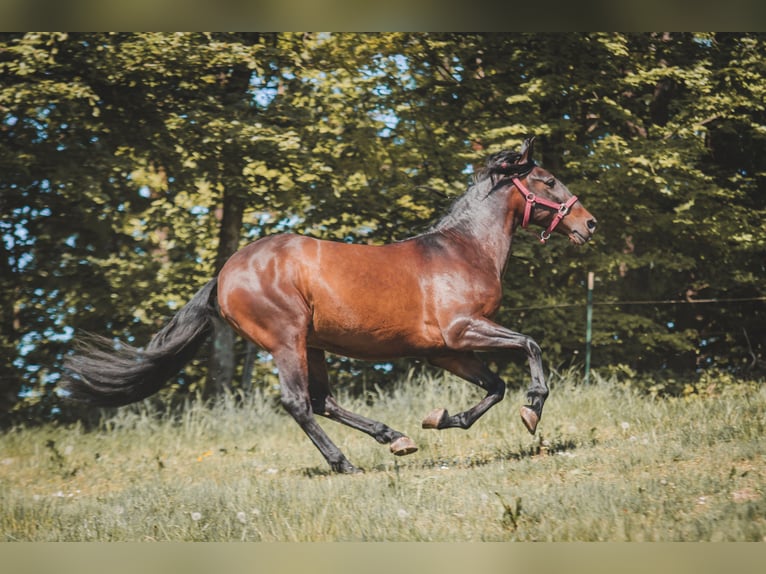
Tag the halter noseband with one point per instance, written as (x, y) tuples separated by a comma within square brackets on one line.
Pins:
[(562, 209)]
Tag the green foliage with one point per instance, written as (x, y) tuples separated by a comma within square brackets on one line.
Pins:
[(134, 164)]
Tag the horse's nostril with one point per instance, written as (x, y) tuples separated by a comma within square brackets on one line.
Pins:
[(591, 224)]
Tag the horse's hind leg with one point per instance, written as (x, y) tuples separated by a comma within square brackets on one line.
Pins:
[(294, 383), (324, 404)]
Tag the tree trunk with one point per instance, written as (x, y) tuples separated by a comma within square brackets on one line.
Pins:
[(10, 378), (247, 369), (222, 362)]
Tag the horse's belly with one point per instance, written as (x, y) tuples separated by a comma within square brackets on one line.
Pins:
[(375, 337)]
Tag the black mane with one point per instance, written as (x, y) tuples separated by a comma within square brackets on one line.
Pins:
[(498, 167), (504, 163)]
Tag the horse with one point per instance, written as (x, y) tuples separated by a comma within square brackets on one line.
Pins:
[(432, 296)]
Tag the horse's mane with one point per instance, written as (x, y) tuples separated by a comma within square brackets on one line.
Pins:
[(493, 175), (503, 163)]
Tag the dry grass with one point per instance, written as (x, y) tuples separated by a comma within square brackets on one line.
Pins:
[(607, 464)]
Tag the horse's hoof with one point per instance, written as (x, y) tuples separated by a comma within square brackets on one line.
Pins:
[(529, 418), (345, 467), (403, 445), (435, 419)]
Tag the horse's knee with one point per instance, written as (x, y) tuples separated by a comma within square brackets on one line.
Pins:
[(496, 387), (533, 349)]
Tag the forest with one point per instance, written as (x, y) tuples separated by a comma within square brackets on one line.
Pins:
[(132, 165)]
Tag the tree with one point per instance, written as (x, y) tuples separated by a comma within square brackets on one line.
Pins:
[(120, 150), (134, 164)]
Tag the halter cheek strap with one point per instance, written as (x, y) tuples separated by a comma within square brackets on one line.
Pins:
[(562, 209)]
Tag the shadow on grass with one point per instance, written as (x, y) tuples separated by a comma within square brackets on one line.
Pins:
[(541, 447)]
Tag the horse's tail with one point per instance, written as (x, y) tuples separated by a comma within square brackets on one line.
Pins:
[(109, 374)]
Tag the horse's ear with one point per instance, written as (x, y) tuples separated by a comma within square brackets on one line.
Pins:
[(526, 150)]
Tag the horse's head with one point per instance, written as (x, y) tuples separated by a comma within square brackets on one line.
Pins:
[(546, 201)]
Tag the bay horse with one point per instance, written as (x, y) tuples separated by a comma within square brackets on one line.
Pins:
[(431, 296)]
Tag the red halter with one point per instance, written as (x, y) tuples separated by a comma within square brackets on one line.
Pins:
[(562, 209)]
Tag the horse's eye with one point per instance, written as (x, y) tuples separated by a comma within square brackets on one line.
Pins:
[(551, 182)]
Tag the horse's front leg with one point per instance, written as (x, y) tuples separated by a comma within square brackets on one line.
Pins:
[(481, 334), (468, 366)]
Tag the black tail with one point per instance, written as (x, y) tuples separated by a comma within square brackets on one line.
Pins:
[(109, 375)]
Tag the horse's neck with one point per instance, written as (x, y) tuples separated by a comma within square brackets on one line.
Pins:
[(495, 241), (485, 228)]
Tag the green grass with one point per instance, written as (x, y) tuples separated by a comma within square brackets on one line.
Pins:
[(608, 464)]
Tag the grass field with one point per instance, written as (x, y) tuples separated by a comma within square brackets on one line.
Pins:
[(607, 464)]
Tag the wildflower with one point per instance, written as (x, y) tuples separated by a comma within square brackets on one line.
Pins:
[(242, 517), (204, 455), (401, 513), (625, 425), (196, 516)]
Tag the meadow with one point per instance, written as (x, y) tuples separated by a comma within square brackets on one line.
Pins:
[(609, 463)]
